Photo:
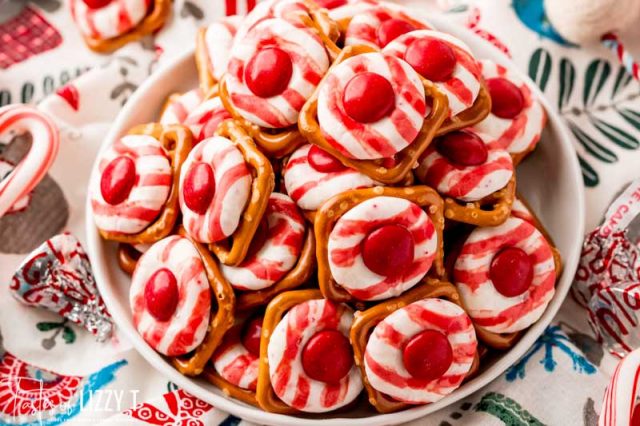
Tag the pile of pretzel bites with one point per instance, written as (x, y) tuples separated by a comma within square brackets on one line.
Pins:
[(333, 212)]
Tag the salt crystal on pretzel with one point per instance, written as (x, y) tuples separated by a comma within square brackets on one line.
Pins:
[(274, 250), (273, 70), (310, 360), (443, 59), (620, 406), (204, 120), (506, 276), (170, 297), (135, 178), (422, 352), (381, 247), (463, 166), (379, 25), (213, 48), (371, 106), (312, 176), (517, 118), (215, 185), (179, 106)]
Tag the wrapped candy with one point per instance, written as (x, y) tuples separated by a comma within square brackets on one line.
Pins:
[(57, 276), (607, 281)]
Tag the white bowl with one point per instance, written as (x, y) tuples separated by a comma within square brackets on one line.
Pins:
[(550, 180)]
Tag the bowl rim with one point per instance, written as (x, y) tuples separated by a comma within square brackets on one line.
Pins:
[(246, 412)]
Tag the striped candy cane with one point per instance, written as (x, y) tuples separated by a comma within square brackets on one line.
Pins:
[(613, 43), (44, 148), (619, 406)]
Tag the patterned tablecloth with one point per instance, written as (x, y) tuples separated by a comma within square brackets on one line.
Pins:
[(52, 372)]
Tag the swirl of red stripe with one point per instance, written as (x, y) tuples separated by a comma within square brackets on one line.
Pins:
[(383, 359), (288, 378), (150, 190), (186, 328), (486, 306)]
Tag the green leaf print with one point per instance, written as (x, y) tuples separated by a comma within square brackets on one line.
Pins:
[(592, 146), (631, 117), (567, 79), (623, 78), (589, 175), (597, 73), (615, 134), (507, 410), (47, 326), (540, 67), (68, 335)]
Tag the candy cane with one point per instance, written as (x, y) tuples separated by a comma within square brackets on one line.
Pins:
[(619, 402), (44, 148), (613, 43)]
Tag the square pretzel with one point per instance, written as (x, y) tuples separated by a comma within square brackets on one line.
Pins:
[(377, 169), (492, 210), (262, 185), (266, 396), (128, 258), (476, 113), (275, 143), (150, 24), (336, 207), (365, 321), (297, 276), (222, 320), (177, 141)]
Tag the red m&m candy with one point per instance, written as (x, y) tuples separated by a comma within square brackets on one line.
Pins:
[(388, 250), (368, 97), (322, 161), (427, 355), (506, 98), (161, 294), (327, 356), (117, 180), (199, 187), (462, 148), (511, 271), (268, 72), (435, 60)]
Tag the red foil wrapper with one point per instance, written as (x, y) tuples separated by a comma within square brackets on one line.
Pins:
[(607, 281)]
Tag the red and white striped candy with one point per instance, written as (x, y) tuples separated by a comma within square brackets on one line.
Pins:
[(345, 247), (489, 308), (464, 85), (269, 259), (288, 378), (383, 359), (178, 109), (309, 61), (352, 8), (218, 39), (187, 326), (365, 27), (117, 17), (519, 210), (232, 190), (310, 188), (204, 120), (269, 9), (517, 134), (382, 138), (233, 361), (620, 405), (150, 190), (465, 183), (24, 177)]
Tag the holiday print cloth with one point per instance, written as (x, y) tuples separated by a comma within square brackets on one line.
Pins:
[(52, 372)]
